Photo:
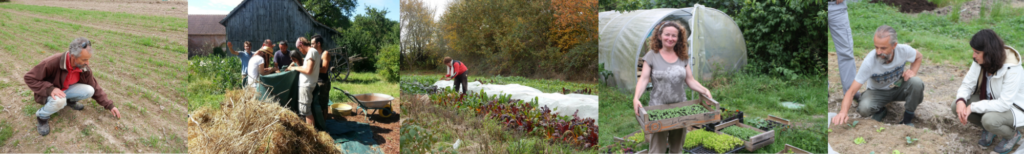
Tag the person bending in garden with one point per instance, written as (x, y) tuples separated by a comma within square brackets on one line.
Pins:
[(991, 92), (258, 66), (62, 80), (309, 72), (887, 78), (668, 66), (456, 70)]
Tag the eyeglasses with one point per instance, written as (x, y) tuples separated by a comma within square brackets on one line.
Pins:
[(85, 44)]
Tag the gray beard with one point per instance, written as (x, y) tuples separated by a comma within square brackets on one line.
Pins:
[(885, 58)]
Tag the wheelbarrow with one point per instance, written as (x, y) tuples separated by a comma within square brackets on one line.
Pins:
[(376, 101)]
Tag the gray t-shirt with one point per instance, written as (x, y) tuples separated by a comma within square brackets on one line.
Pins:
[(309, 80), (668, 79), (883, 76)]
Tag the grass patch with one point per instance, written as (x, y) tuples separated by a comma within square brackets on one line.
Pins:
[(361, 83), (5, 132), (941, 39), (756, 95), (156, 22)]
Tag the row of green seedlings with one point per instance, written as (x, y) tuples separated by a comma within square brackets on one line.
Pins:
[(860, 140), (656, 115), (525, 116), (720, 143)]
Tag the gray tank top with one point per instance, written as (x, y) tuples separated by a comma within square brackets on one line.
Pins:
[(668, 79)]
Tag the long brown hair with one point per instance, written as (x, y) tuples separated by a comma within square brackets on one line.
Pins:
[(989, 42), (681, 45)]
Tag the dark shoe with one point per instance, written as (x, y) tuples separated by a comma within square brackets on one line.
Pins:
[(43, 127), (879, 115), (986, 138), (75, 105), (1007, 144), (907, 117)]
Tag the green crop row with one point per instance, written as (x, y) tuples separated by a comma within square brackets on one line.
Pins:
[(656, 115)]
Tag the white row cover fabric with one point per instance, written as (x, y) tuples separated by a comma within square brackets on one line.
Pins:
[(560, 104)]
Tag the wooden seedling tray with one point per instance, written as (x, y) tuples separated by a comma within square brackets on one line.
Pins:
[(682, 122), (795, 150), (754, 142), (779, 120)]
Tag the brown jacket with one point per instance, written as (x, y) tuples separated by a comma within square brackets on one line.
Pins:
[(51, 73)]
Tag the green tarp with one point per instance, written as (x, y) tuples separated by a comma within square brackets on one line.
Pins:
[(284, 87)]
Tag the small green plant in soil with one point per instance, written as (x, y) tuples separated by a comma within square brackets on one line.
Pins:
[(894, 151), (656, 115), (910, 140), (740, 132), (756, 122), (830, 130), (859, 140), (853, 125), (879, 130), (637, 138), (718, 142)]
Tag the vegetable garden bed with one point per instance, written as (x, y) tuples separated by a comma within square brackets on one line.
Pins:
[(753, 138)]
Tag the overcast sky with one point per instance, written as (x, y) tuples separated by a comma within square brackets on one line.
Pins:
[(225, 7)]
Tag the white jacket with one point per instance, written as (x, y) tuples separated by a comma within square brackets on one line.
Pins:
[(1006, 85)]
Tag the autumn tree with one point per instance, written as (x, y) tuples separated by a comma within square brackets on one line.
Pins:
[(575, 22), (418, 28)]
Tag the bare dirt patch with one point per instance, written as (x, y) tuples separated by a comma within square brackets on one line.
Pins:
[(934, 115), (893, 137), (385, 129)]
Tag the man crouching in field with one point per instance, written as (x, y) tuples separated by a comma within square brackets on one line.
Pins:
[(63, 79), (888, 79)]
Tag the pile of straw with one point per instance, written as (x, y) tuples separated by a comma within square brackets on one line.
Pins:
[(247, 125)]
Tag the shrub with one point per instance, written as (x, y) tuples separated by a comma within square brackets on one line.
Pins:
[(784, 37), (387, 63)]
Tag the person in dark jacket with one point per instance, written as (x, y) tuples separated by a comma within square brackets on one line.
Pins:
[(62, 80)]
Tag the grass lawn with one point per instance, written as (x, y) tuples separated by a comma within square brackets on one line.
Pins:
[(756, 95), (361, 83), (942, 39)]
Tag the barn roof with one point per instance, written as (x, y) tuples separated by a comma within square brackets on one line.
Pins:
[(296, 2), (206, 24)]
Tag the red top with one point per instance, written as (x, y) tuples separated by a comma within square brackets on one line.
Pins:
[(73, 73), (456, 68)]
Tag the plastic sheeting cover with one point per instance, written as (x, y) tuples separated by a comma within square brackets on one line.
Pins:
[(565, 104), (716, 43)]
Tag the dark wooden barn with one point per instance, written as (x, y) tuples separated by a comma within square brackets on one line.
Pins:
[(277, 20)]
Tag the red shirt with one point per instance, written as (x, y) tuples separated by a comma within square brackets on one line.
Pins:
[(455, 69), (73, 73)]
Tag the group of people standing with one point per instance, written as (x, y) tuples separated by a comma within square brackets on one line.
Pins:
[(308, 60)]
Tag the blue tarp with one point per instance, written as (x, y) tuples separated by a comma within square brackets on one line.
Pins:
[(353, 137)]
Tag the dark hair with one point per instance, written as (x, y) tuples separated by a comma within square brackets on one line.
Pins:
[(681, 45), (989, 42), (316, 39), (294, 54), (282, 43), (447, 60), (248, 43), (303, 42)]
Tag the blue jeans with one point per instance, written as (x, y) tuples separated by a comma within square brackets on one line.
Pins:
[(75, 92)]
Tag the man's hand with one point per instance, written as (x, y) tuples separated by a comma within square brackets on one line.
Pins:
[(839, 119), (229, 44), (908, 74), (115, 112), (637, 106), (57, 94)]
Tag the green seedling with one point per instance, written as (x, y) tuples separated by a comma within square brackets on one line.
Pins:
[(894, 151), (880, 129), (830, 130), (859, 140), (852, 125), (910, 140)]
